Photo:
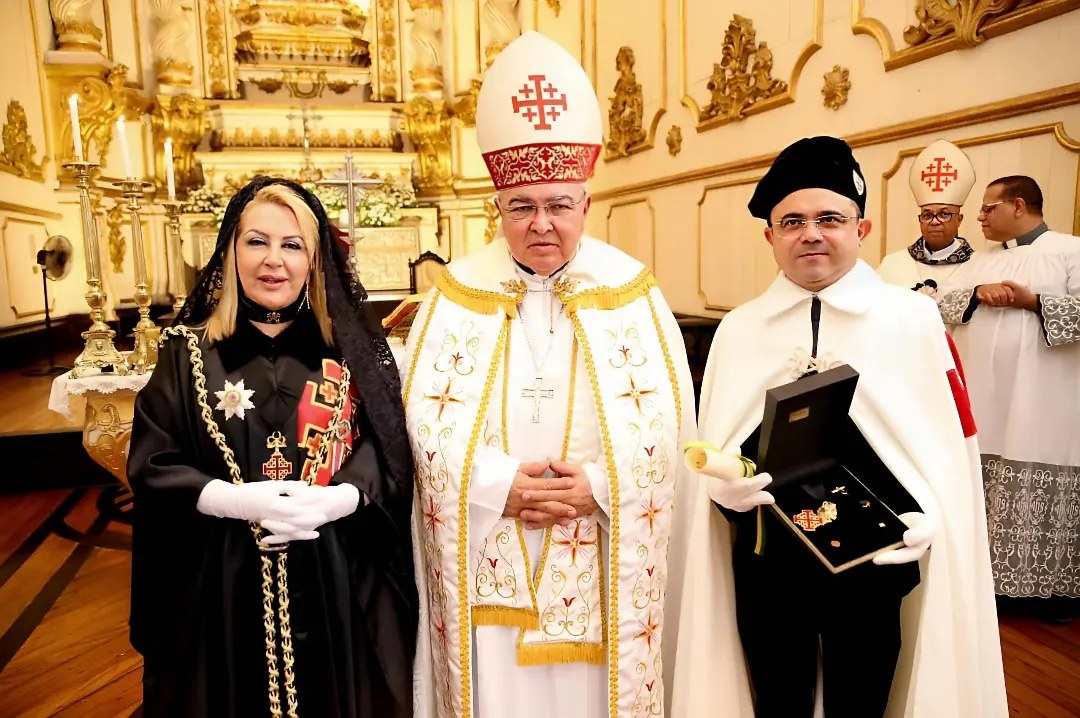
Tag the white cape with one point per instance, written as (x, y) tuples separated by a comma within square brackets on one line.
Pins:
[(950, 663)]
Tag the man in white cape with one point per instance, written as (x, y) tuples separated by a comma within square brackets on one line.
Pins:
[(1015, 313), (826, 308), (941, 178), (547, 393)]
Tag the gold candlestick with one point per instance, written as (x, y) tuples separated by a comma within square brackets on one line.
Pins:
[(99, 352), (172, 211), (144, 357)]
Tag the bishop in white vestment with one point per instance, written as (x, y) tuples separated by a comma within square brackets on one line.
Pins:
[(1014, 311), (940, 179), (547, 393)]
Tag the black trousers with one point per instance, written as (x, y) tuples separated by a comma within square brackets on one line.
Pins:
[(789, 610)]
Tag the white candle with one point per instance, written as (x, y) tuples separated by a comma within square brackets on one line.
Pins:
[(170, 177), (121, 131), (76, 130)]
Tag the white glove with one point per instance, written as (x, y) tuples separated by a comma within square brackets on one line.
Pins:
[(328, 503), (259, 501), (741, 494), (917, 539)]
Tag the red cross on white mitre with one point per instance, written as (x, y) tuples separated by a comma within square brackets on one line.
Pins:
[(540, 104), (938, 174)]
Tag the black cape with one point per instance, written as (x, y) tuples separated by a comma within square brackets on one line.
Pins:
[(196, 584)]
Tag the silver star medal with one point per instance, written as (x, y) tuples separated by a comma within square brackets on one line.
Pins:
[(234, 399)]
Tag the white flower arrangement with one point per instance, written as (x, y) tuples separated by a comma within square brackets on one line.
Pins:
[(381, 206), (206, 201)]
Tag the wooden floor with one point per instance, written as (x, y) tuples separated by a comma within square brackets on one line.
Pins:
[(64, 579), (65, 562)]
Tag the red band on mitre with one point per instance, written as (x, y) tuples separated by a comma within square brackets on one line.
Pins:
[(541, 162)]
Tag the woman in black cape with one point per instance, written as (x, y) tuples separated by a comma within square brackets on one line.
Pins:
[(272, 564)]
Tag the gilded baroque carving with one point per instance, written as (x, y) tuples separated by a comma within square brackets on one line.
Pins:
[(963, 19), (743, 77), (502, 24), (17, 155), (256, 137), (674, 140), (555, 5), (215, 47), (172, 33), (426, 72), (491, 213), (269, 85), (101, 102), (234, 183), (75, 28), (427, 123), (184, 118), (107, 430), (388, 74), (627, 109), (464, 105), (835, 89), (114, 220)]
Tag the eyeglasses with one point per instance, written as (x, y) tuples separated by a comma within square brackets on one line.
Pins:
[(556, 210), (988, 208), (826, 224), (942, 216)]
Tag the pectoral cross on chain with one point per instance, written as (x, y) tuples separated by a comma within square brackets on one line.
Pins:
[(537, 393)]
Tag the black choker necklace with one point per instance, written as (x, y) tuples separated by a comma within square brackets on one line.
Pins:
[(255, 312)]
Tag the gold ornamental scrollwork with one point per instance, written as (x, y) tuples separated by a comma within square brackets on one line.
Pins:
[(836, 87), (627, 110), (114, 221), (464, 105), (74, 26), (491, 214), (274, 137), (388, 74), (17, 155), (218, 60), (743, 77), (101, 102), (946, 25), (184, 118), (674, 140), (962, 19), (427, 122), (555, 5), (107, 430)]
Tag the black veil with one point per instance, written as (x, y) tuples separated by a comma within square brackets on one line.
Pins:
[(357, 332)]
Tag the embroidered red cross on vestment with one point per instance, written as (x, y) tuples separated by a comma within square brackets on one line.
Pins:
[(540, 110), (938, 174)]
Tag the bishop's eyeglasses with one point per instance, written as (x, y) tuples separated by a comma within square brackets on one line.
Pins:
[(561, 207), (943, 216), (826, 224)]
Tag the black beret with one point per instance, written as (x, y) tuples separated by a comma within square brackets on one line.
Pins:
[(812, 162)]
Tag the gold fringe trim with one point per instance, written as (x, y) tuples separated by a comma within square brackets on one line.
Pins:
[(419, 347), (608, 298), (549, 653), (525, 618), (477, 300)]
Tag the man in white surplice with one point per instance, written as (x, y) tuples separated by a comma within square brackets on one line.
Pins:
[(1014, 310), (547, 394)]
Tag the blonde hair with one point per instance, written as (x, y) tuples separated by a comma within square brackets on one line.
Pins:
[(222, 321)]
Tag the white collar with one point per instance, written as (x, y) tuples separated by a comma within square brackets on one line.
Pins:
[(946, 251), (852, 293)]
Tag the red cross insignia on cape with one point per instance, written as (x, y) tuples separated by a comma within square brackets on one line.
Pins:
[(313, 418)]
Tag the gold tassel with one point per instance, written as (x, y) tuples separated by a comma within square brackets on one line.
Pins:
[(540, 654), (505, 616), (608, 298), (476, 300)]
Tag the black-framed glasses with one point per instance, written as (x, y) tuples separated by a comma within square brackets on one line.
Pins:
[(826, 224), (988, 208), (942, 216), (558, 209)]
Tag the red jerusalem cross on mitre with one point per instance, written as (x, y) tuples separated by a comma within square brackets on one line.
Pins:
[(938, 174), (537, 108)]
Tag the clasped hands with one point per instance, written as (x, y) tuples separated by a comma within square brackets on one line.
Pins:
[(1007, 294), (288, 510), (543, 501)]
